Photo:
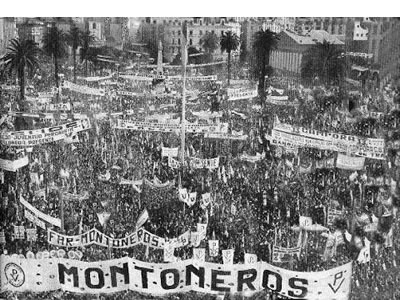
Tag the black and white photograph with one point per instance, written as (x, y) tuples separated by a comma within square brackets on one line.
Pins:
[(190, 158)]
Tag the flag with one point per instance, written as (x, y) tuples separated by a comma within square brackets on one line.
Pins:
[(103, 217), (169, 252), (227, 256), (250, 259), (199, 254), (192, 199), (202, 230), (195, 239), (365, 256), (205, 200), (142, 219), (213, 247), (184, 44), (360, 33)]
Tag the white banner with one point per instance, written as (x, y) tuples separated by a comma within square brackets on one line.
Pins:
[(349, 162), (252, 159), (226, 136), (208, 163), (213, 247), (170, 127), (2, 237), (96, 78), (34, 219), (137, 78), (29, 138), (37, 213), (195, 78), (199, 254), (250, 259), (242, 94), (282, 254), (76, 276), (83, 89), (57, 106), (13, 165), (227, 256), (169, 152), (288, 135), (333, 214)]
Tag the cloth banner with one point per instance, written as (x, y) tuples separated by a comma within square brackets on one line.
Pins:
[(2, 237), (40, 215), (142, 219), (169, 253), (20, 275), (250, 259), (19, 232), (83, 89), (305, 221), (34, 219), (169, 152), (96, 78), (173, 163), (31, 234), (29, 138), (226, 136), (137, 78), (170, 127), (333, 214), (252, 159), (365, 256), (57, 106), (188, 198), (13, 165), (205, 200), (242, 94), (328, 163), (166, 185), (285, 134), (202, 230), (281, 254), (103, 217), (213, 247), (200, 163), (227, 256), (350, 163), (199, 254), (194, 78)]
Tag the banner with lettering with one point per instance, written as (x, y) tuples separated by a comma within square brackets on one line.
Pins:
[(34, 219), (137, 78), (226, 136), (173, 163), (19, 232), (169, 152), (2, 237), (83, 89), (57, 106), (285, 134), (194, 78), (282, 254), (350, 163), (170, 127), (76, 276), (207, 163), (31, 234), (227, 256), (333, 214), (40, 215), (13, 165), (240, 94), (29, 138)]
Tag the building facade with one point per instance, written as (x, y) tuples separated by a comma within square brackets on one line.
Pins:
[(8, 31), (287, 57), (168, 31)]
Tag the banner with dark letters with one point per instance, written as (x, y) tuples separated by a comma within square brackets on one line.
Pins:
[(39, 275)]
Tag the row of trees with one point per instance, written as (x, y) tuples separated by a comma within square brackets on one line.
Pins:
[(22, 57)]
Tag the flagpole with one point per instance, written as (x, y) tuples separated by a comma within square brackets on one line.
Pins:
[(183, 58)]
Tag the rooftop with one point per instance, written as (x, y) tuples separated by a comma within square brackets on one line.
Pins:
[(313, 37)]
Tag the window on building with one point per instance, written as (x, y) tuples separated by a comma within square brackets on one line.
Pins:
[(201, 22), (340, 29), (212, 31), (179, 41), (373, 46), (94, 26), (173, 41), (222, 32), (375, 29), (190, 42), (179, 32), (201, 32), (191, 32)]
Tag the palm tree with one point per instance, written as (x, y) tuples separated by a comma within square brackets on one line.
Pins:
[(209, 42), (324, 60), (74, 40), (264, 42), (87, 40), (229, 42), (21, 57), (54, 45)]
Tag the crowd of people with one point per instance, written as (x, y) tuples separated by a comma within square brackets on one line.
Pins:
[(255, 203)]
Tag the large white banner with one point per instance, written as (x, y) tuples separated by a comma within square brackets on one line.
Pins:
[(137, 78), (349, 162), (195, 78), (83, 89), (122, 274), (285, 134), (57, 106), (29, 138), (169, 152), (40, 215), (241, 94), (283, 254), (170, 127), (208, 163), (225, 136), (13, 165)]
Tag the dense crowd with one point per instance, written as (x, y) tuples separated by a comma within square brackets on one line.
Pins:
[(255, 204)]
